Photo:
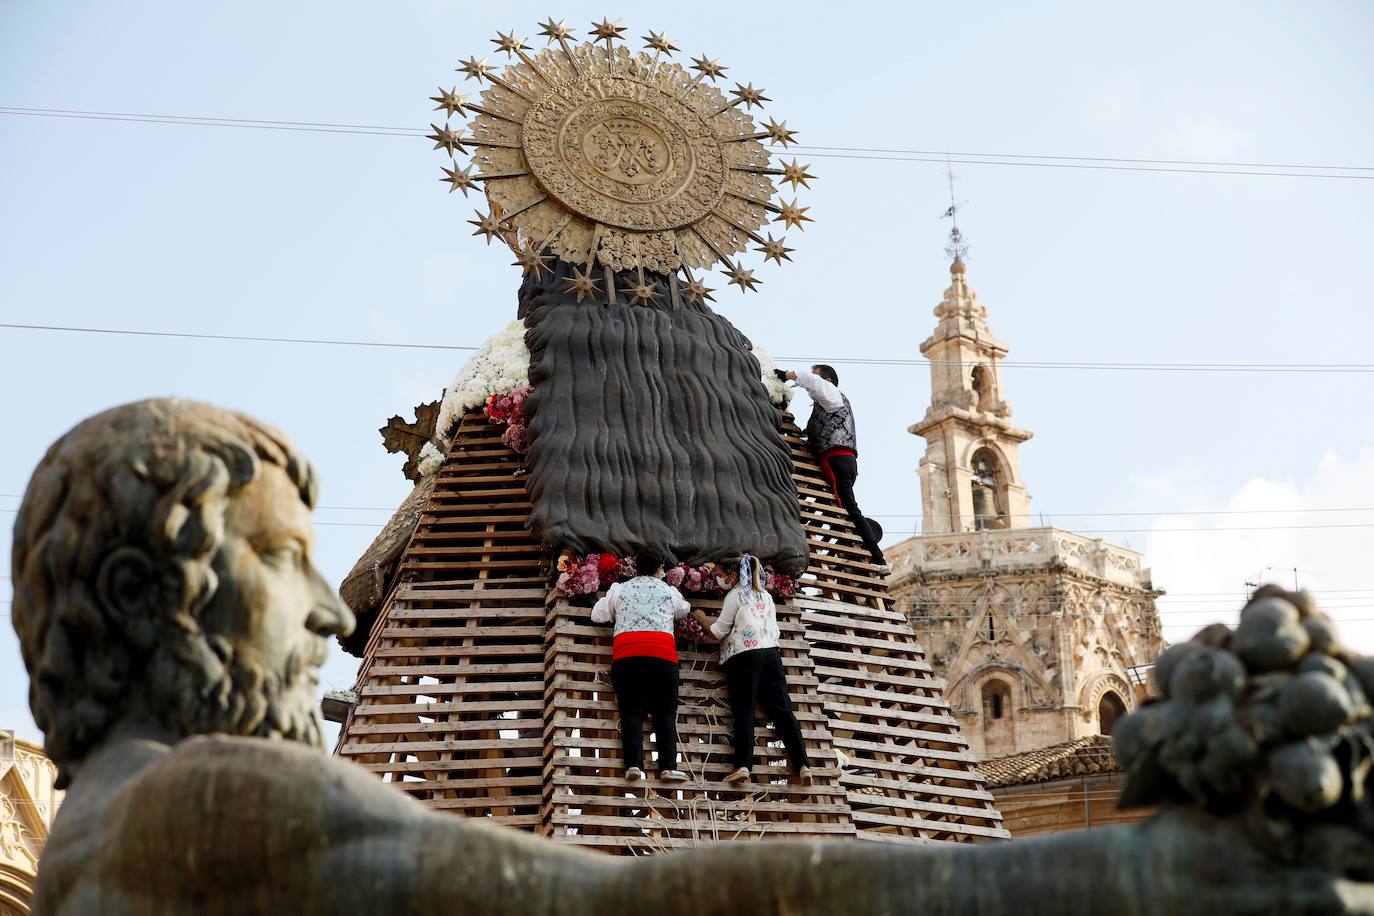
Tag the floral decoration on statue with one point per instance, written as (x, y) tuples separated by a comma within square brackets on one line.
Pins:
[(500, 366), (509, 409), (585, 575), (687, 628), (779, 394)]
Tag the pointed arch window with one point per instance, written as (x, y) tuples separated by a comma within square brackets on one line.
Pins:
[(1109, 710)]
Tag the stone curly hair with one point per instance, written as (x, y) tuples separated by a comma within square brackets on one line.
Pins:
[(150, 481)]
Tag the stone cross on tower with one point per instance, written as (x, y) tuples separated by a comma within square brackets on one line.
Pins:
[(971, 472)]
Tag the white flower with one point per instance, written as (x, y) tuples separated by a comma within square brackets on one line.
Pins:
[(499, 366), (430, 459), (778, 392)]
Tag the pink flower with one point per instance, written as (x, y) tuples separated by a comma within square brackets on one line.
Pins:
[(514, 439), (689, 629), (674, 576), (587, 581)]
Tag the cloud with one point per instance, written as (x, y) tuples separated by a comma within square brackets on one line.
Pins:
[(1266, 536), (1205, 137), (1186, 126)]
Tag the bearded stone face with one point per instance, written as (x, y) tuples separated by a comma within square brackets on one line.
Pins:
[(254, 665)]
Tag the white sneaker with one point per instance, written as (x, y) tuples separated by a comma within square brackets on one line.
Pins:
[(634, 774), (672, 776)]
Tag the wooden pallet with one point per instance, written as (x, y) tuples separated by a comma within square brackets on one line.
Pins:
[(479, 696), (450, 705), (908, 773)]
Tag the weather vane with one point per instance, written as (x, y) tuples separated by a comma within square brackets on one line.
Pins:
[(957, 249), (599, 155)]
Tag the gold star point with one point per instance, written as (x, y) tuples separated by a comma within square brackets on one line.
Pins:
[(742, 278), (556, 31), (531, 260), (474, 68), (487, 225), (699, 291), (506, 41), (644, 294), (459, 179), (774, 249), (607, 29), (446, 139), (748, 95), (451, 101), (657, 41), (583, 284), (710, 69), (778, 133), (797, 174), (792, 215)]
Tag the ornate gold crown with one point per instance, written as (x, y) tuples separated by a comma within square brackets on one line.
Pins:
[(601, 155)]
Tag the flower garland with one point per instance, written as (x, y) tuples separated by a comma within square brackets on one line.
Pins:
[(500, 366), (509, 409), (578, 575)]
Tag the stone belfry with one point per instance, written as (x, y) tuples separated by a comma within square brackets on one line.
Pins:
[(1039, 633), (971, 472)]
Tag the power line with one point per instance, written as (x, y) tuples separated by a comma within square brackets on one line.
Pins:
[(1205, 162), (196, 121), (1095, 163), (1103, 168), (838, 360), (236, 337)]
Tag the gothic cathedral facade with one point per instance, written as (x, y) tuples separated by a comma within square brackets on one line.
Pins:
[(1040, 633)]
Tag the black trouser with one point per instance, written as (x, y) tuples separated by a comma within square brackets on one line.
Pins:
[(756, 678), (844, 469), (644, 684)]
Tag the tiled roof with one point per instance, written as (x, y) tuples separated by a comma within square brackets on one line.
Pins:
[(1091, 756)]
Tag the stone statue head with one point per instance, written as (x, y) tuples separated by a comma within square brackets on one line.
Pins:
[(163, 577)]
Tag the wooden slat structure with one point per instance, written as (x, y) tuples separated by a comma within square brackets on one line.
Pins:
[(484, 693), (451, 688)]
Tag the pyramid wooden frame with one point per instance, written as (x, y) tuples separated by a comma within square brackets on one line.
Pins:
[(485, 693)]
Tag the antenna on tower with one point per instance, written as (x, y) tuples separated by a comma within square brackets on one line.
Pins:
[(957, 249)]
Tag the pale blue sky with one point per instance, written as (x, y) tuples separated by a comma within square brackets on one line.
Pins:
[(230, 231)]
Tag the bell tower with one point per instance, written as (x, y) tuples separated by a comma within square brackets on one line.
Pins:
[(971, 471), (1041, 634)]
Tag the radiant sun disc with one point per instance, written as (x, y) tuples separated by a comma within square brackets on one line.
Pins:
[(624, 154), (605, 156)]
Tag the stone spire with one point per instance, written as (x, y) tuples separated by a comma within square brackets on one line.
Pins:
[(971, 471)]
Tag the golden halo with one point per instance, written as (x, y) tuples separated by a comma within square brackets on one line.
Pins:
[(602, 155)]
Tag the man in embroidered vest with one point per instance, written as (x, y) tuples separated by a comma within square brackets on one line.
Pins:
[(644, 673), (831, 435)]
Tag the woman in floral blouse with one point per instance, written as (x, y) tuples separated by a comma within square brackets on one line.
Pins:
[(644, 668), (748, 632)]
